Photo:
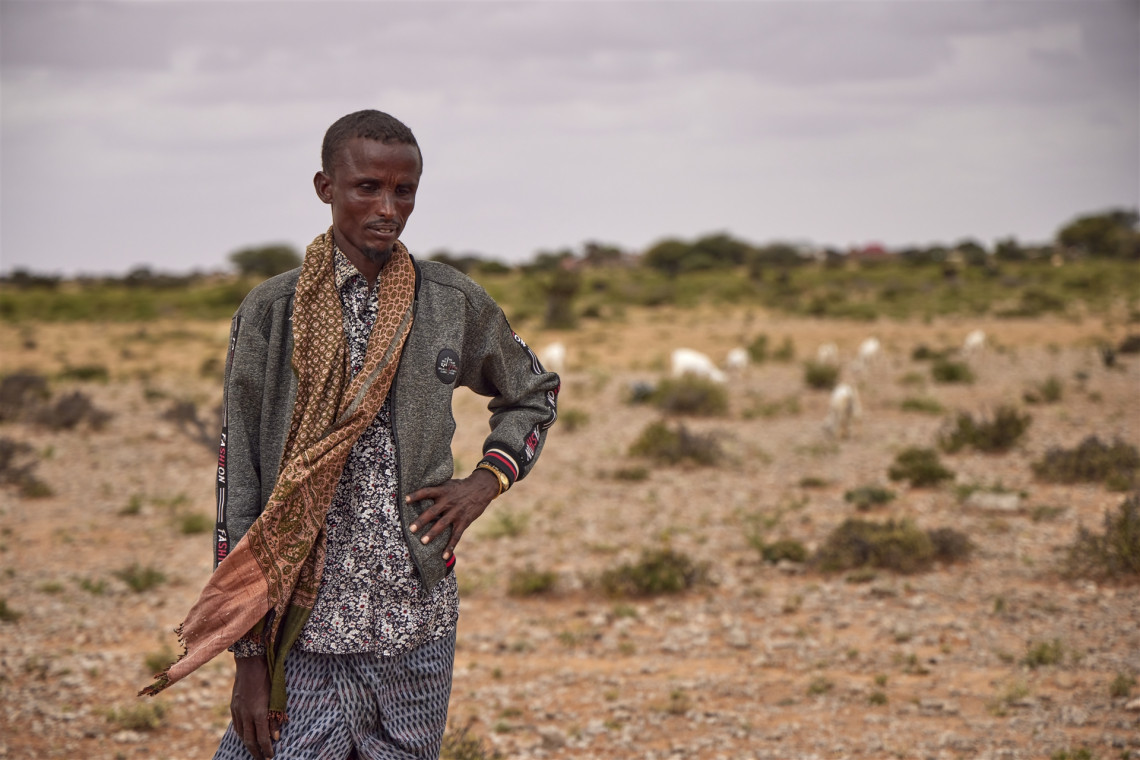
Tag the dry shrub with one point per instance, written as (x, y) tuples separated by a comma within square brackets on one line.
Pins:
[(991, 435), (19, 392), (950, 545), (920, 466), (1113, 554), (19, 473), (184, 414), (693, 395), (894, 545), (70, 410), (868, 497), (1130, 345), (661, 443), (658, 571), (1092, 461), (461, 745)]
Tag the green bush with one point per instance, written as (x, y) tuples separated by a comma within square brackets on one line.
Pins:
[(1047, 392), (140, 579), (997, 434), (1042, 653), (86, 373), (786, 352), (785, 548), (1113, 554), (141, 716), (919, 466), (924, 352), (867, 497), (898, 546), (923, 405), (7, 614), (660, 443), (193, 523), (572, 419), (948, 371), (820, 376), (1121, 686), (758, 349), (1091, 461), (688, 394), (531, 582), (157, 662), (658, 571)]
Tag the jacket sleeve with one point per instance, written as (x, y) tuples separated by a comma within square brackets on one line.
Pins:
[(238, 486), (524, 396)]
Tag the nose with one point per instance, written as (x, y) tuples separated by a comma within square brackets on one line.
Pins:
[(386, 204)]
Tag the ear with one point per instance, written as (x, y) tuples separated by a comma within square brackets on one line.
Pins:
[(322, 183)]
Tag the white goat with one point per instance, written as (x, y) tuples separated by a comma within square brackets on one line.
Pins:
[(553, 357), (736, 360), (869, 351), (842, 409), (686, 361), (974, 343), (827, 353)]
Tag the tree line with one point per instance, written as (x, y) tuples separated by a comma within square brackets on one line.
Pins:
[(1112, 234)]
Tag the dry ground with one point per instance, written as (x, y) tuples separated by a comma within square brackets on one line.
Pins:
[(770, 662)]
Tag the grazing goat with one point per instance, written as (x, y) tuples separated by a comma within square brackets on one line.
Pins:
[(553, 357), (974, 342), (686, 361), (869, 351), (843, 407), (736, 360), (827, 353)]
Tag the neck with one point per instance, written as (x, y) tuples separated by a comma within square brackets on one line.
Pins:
[(367, 265)]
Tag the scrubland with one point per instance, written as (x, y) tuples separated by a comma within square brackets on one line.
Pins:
[(691, 572)]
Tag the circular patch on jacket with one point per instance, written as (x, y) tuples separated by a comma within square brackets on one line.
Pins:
[(447, 366)]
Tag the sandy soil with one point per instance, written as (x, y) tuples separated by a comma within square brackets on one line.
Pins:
[(767, 662)]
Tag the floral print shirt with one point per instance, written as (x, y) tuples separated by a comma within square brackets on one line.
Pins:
[(369, 599)]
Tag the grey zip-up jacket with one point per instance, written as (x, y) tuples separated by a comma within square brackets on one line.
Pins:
[(459, 336)]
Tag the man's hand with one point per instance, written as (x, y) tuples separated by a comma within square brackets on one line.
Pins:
[(249, 707), (457, 503)]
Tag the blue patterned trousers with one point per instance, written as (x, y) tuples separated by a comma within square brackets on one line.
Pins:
[(384, 708)]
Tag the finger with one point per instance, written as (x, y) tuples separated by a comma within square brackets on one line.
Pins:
[(456, 534), (264, 742), (275, 728), (429, 515)]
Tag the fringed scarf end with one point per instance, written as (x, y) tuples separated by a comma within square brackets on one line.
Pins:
[(162, 680)]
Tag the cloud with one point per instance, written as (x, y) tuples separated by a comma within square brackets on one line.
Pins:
[(545, 124)]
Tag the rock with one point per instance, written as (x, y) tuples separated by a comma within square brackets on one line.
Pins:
[(994, 502), (1133, 706), (127, 737)]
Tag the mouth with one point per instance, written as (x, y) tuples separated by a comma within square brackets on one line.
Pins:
[(385, 228)]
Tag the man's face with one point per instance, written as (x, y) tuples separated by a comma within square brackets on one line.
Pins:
[(372, 191)]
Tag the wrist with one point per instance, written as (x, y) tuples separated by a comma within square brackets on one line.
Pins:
[(501, 481)]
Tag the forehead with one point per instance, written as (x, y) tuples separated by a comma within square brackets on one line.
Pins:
[(363, 156)]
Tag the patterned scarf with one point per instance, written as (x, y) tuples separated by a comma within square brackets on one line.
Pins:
[(268, 583)]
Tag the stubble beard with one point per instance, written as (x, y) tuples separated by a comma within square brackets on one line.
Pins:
[(378, 256)]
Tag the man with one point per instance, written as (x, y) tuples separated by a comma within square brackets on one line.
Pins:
[(337, 515)]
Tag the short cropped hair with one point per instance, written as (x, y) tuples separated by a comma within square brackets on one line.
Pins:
[(370, 124)]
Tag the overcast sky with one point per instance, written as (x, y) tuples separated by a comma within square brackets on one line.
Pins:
[(169, 134)]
